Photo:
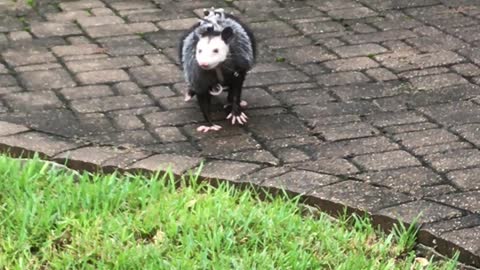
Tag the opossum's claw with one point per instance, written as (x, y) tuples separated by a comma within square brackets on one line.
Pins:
[(206, 129), (241, 119)]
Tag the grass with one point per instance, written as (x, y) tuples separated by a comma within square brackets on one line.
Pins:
[(50, 219)]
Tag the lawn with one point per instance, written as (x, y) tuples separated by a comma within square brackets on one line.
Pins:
[(50, 219)]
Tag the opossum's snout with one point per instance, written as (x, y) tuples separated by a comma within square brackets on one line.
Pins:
[(211, 52)]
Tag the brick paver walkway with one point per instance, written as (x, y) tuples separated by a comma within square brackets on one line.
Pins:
[(370, 104)]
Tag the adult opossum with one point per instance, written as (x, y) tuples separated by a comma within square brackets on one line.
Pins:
[(216, 55)]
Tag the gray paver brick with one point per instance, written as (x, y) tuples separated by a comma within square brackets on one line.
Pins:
[(110, 103), (46, 79), (51, 29), (119, 29), (102, 76), (387, 160)]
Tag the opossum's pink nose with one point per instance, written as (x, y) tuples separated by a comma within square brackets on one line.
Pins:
[(204, 65)]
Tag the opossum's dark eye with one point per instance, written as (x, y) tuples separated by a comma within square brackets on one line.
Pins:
[(199, 51), (215, 50)]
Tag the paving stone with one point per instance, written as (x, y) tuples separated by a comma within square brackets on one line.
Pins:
[(10, 129), (31, 101), (379, 36), (228, 170), (156, 59), (46, 79), (78, 5), (454, 159), (369, 90), (127, 88), (412, 181), (465, 179), (437, 81), (335, 166), (351, 13), (162, 162), (272, 29), (454, 114), (7, 81), (170, 118), (99, 20), (9, 89), (292, 142), (465, 200), (52, 29), (273, 127), (20, 36), (87, 158), (300, 182), (291, 155), (305, 96), (346, 131), (322, 26), (387, 160), (153, 75), (27, 57), (306, 54), (467, 70), (104, 63), (214, 146), (437, 43), (179, 24), (81, 49), (124, 159), (381, 74), (440, 227), (467, 239), (342, 78), (421, 61), (425, 138), (330, 109), (128, 122), (420, 211), (84, 57), (110, 103), (119, 29), (67, 16), (257, 177), (38, 67), (127, 45), (422, 72), (356, 195), (41, 143), (440, 148), (91, 91), (410, 127), (359, 50), (127, 138), (291, 86), (252, 156), (469, 132), (102, 76), (349, 64), (397, 118), (286, 42)]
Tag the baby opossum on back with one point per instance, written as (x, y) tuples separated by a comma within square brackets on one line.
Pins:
[(216, 55)]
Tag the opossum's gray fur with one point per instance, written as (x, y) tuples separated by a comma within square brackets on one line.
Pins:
[(242, 49)]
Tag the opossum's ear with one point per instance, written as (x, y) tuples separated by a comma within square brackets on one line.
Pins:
[(227, 34)]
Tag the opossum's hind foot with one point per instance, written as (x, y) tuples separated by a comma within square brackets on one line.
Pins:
[(241, 118), (206, 129)]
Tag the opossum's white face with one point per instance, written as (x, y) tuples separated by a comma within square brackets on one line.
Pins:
[(211, 51)]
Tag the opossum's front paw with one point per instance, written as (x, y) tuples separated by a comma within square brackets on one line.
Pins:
[(206, 129), (188, 96), (237, 116)]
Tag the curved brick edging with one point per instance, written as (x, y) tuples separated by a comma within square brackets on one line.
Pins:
[(18, 140)]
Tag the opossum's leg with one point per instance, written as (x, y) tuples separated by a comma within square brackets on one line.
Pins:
[(236, 86), (204, 103), (243, 103)]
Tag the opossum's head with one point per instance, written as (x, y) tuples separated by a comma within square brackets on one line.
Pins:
[(213, 48)]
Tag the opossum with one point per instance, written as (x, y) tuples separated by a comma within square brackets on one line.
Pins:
[(216, 55)]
